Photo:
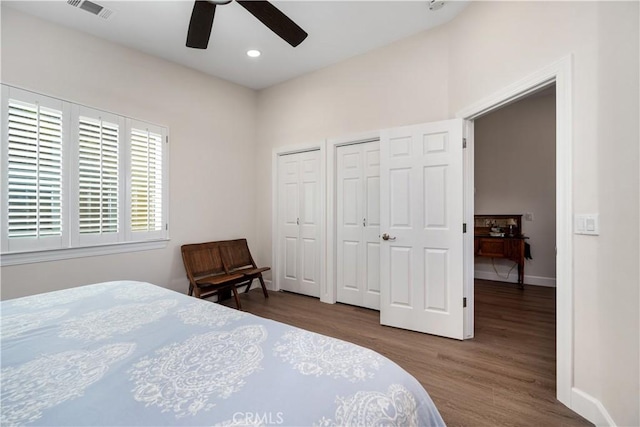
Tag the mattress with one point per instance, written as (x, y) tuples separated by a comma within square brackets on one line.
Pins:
[(132, 353)]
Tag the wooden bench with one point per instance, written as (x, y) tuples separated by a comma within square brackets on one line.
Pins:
[(206, 272), (237, 258), (214, 268)]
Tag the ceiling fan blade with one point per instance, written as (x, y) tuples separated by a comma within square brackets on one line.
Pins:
[(276, 21), (200, 24)]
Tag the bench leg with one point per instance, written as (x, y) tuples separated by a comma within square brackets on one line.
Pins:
[(190, 289), (235, 295), (248, 286), (264, 287)]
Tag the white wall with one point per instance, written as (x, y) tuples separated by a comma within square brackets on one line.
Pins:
[(435, 74), (515, 173), (211, 124), (618, 151)]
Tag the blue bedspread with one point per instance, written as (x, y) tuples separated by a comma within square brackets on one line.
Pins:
[(131, 353)]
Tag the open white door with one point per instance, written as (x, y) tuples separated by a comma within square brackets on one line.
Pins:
[(421, 217)]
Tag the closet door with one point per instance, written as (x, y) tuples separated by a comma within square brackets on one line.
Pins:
[(298, 220), (358, 224)]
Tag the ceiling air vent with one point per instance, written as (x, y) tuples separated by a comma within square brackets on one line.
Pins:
[(92, 7)]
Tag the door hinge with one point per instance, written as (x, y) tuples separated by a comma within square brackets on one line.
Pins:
[(464, 302), (464, 227), (166, 227), (167, 139), (464, 142)]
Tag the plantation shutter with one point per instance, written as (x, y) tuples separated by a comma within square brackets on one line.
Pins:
[(34, 174), (147, 191), (98, 176), (77, 181)]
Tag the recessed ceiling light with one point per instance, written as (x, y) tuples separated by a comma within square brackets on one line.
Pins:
[(253, 53)]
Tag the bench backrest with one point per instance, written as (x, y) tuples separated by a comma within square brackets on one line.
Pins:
[(202, 259), (235, 254)]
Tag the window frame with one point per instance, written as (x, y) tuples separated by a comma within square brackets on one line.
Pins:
[(71, 244)]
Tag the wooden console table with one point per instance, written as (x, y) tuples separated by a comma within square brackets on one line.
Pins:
[(508, 242)]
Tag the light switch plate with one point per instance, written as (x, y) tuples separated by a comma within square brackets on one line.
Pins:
[(587, 224)]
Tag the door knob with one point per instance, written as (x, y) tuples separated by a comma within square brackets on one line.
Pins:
[(386, 236)]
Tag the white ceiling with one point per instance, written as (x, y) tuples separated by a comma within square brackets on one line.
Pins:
[(337, 30)]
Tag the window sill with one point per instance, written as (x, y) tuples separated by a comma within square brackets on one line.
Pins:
[(87, 251)]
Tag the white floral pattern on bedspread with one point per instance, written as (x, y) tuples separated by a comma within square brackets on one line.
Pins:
[(397, 407), (19, 323), (102, 324), (313, 354), (198, 314), (185, 376), (26, 390), (130, 353)]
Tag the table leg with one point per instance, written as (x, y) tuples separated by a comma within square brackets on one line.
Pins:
[(521, 275)]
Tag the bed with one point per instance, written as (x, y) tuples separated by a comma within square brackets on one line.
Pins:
[(132, 353)]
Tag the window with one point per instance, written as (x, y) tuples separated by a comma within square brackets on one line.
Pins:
[(76, 178), (98, 177), (146, 200)]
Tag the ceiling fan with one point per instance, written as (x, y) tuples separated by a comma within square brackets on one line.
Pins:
[(204, 11)]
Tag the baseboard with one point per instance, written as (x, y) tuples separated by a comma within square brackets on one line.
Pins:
[(269, 284), (528, 280), (590, 408)]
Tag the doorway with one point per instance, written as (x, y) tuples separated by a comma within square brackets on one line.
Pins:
[(514, 174), (558, 73)]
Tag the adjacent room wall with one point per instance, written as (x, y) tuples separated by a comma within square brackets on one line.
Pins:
[(433, 75), (211, 124), (515, 173)]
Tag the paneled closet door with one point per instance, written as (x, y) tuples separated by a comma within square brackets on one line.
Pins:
[(358, 224), (298, 220)]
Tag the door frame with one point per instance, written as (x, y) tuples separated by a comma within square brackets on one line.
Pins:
[(332, 213), (276, 262), (560, 73)]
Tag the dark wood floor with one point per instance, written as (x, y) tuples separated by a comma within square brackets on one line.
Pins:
[(505, 376)]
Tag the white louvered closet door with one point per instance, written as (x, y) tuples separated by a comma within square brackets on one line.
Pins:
[(358, 225), (299, 223)]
